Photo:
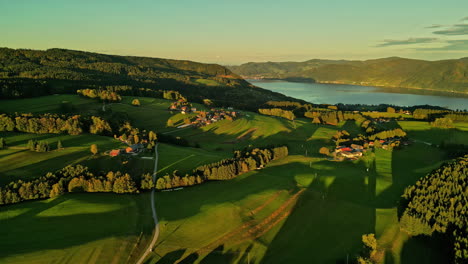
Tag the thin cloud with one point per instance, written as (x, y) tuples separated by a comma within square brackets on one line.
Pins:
[(410, 41), (456, 30), (451, 45), (435, 26)]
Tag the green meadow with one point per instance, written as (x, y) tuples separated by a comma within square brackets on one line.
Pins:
[(152, 114), (76, 228), (18, 162), (301, 209), (423, 131), (48, 104), (296, 210)]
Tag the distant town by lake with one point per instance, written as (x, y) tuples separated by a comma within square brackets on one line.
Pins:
[(354, 94)]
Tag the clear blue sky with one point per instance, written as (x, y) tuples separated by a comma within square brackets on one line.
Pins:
[(232, 32)]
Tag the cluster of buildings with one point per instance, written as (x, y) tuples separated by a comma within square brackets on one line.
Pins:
[(205, 118), (355, 151), (183, 106), (352, 152), (132, 149)]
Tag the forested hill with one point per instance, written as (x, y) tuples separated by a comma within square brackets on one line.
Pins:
[(27, 73), (444, 75)]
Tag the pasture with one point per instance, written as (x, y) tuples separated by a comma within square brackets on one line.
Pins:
[(296, 210), (152, 114), (17, 162), (75, 228), (423, 131), (48, 104)]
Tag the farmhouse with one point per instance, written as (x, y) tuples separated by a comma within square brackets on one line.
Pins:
[(135, 148), (114, 152)]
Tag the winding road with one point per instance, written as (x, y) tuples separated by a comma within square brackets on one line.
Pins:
[(153, 208)]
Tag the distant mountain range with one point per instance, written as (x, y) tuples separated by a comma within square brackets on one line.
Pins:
[(443, 75), (27, 73)]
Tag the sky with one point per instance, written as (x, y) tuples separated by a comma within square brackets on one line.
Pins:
[(234, 32)]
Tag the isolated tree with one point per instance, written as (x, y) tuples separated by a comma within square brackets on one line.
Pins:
[(32, 145), (152, 136), (207, 102), (94, 149), (136, 102), (324, 151), (2, 143), (316, 120), (370, 249), (170, 123), (59, 144)]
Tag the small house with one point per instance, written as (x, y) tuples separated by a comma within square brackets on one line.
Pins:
[(114, 152), (134, 148)]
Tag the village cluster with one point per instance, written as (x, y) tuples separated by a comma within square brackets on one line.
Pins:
[(355, 151), (203, 118)]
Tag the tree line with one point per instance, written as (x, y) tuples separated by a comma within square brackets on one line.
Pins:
[(438, 203), (442, 122), (114, 93), (54, 124), (103, 95), (427, 114), (458, 116), (69, 179), (242, 162), (76, 125), (277, 112)]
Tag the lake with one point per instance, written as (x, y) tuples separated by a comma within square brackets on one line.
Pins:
[(354, 94)]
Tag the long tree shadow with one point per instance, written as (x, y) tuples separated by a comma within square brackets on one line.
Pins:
[(36, 231), (327, 222), (41, 168)]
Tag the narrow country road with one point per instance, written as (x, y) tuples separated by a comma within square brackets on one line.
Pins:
[(153, 208)]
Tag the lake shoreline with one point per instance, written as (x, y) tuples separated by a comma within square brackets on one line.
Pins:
[(454, 93), (335, 93)]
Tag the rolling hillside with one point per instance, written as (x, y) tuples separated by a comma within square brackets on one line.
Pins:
[(30, 73), (444, 75)]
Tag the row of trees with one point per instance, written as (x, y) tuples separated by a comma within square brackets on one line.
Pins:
[(38, 146), (46, 123), (443, 122), (74, 125), (397, 132), (426, 114), (277, 112), (243, 161), (69, 179), (458, 116), (439, 203), (103, 95), (114, 93), (55, 124)]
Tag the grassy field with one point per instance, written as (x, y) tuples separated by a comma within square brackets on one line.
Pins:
[(17, 162), (425, 132), (386, 115), (297, 210), (256, 130), (301, 209), (75, 228), (152, 114), (48, 104), (310, 228)]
